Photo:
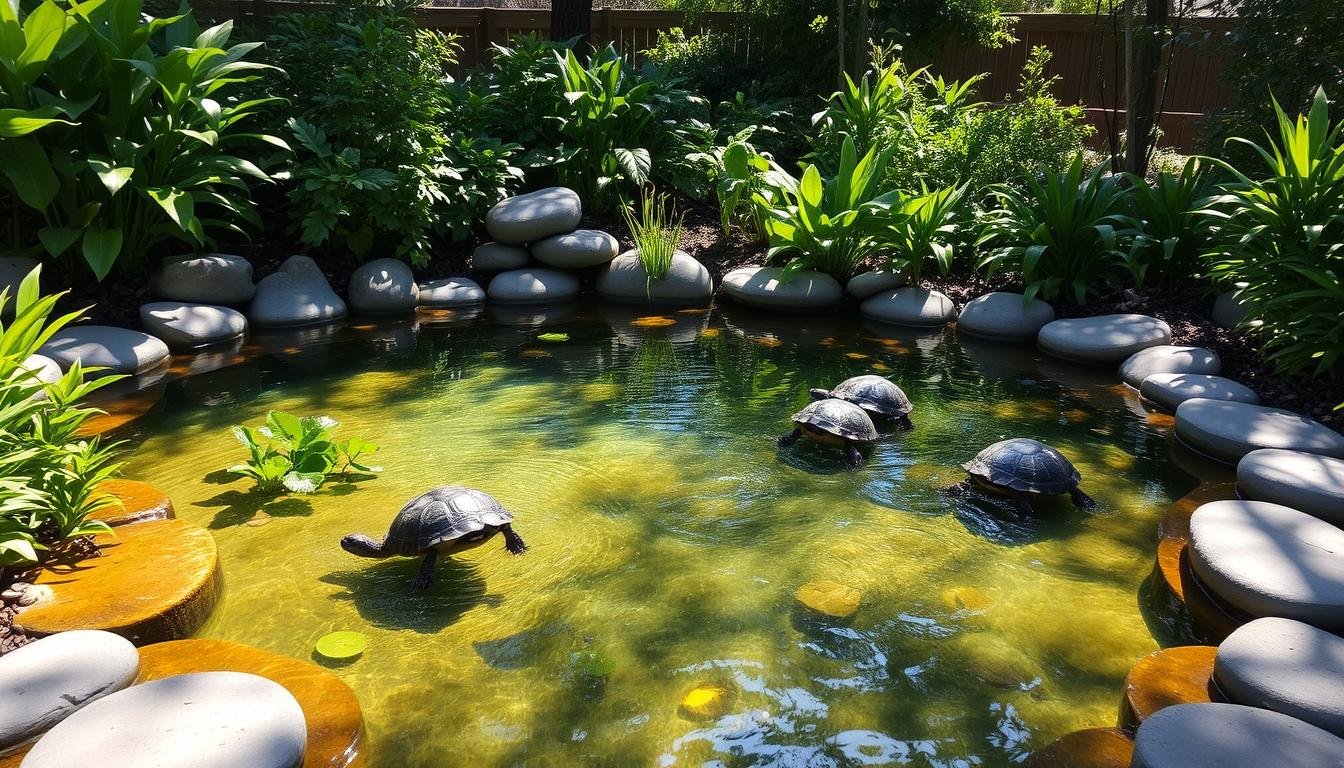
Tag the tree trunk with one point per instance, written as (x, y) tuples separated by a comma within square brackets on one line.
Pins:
[(861, 40), (570, 19), (1147, 83)]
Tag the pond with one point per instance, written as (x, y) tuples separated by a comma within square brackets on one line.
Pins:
[(669, 535)]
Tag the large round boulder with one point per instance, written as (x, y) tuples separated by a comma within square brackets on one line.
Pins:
[(185, 326), (1213, 735), (686, 282), (115, 350), (762, 287), (451, 292), (1228, 309), (489, 258), (383, 286), (1001, 315), (206, 278), (297, 294), (873, 282), (1105, 339), (536, 285), (1286, 666), (910, 305), (1229, 430), (1270, 560), (1168, 358), (576, 250), (1169, 390), (13, 269), (1304, 481), (534, 216), (44, 370)]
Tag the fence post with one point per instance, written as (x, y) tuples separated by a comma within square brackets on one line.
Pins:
[(607, 33), (487, 28)]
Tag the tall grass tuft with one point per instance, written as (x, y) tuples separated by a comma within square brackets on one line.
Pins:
[(656, 232)]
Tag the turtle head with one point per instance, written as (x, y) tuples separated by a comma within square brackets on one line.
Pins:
[(359, 544), (819, 394)]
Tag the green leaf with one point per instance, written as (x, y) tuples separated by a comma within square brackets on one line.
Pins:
[(180, 207), (101, 249), (29, 171), (113, 178), (43, 30), (57, 240), (21, 122)]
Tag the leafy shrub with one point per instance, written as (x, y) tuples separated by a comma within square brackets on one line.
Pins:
[(873, 112), (1171, 232), (298, 454), (517, 96), (916, 229), (657, 234), (748, 185)]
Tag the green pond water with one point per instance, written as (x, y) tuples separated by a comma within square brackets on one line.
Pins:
[(668, 535)]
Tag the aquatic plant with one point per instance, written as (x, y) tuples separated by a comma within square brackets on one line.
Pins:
[(656, 232), (920, 228), (298, 454)]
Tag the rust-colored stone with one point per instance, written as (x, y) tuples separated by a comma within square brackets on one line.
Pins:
[(1090, 748), (1181, 675), (154, 581), (335, 722), (1172, 575), (13, 759), (120, 409), (140, 502)]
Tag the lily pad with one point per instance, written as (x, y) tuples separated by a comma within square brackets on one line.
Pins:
[(553, 338), (342, 645)]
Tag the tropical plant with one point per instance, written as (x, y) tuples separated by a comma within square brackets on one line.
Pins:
[(1171, 232), (298, 453), (517, 97), (656, 232), (871, 112), (916, 230), (748, 184)]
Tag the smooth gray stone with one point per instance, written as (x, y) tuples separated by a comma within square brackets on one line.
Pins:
[(873, 282), (497, 257), (1169, 390), (383, 286), (184, 326), (1167, 358), (1102, 339), (116, 350), (807, 291), (1000, 315), (535, 285), (13, 269), (451, 292), (1228, 311), (1270, 560), (911, 305), (199, 720), (534, 216), (686, 282), (44, 369), (1304, 481), (1228, 430), (576, 250), (207, 278), (1286, 666), (46, 681), (1232, 736), (297, 294)]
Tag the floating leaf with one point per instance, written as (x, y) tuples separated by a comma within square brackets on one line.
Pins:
[(342, 645), (553, 338)]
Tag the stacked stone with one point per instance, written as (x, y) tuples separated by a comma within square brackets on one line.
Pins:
[(541, 225)]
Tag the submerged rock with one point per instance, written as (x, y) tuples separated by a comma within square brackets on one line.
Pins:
[(829, 598), (708, 702)]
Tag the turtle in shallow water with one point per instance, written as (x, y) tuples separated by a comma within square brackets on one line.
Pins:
[(833, 422), (1021, 467), (444, 521), (875, 394)]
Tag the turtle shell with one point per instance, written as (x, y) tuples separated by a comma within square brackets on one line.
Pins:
[(1026, 465), (443, 514), (839, 418), (874, 394)]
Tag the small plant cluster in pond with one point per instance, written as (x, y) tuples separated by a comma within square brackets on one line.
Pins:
[(656, 231), (298, 454)]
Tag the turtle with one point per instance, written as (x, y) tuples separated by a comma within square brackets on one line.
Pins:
[(446, 520), (833, 422), (875, 394), (1020, 467)]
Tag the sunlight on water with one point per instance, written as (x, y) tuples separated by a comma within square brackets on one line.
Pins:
[(668, 535)]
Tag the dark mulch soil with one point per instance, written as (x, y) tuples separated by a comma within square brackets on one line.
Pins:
[(9, 638)]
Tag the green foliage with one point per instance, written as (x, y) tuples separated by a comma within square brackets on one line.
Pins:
[(517, 96), (873, 112), (915, 230), (748, 184), (923, 26), (1171, 236), (656, 232), (289, 453), (119, 132)]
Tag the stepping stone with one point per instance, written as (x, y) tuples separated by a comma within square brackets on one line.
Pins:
[(1270, 560), (1285, 666), (1000, 315), (534, 216), (136, 502), (807, 291), (1232, 736), (297, 294), (200, 720), (1306, 482), (576, 250), (1180, 675), (186, 326), (497, 257), (535, 285), (829, 598), (1169, 390), (1088, 748), (1229, 430), (873, 282), (451, 292), (208, 278), (919, 307), (116, 350), (1167, 358), (46, 681), (1106, 339), (383, 286), (686, 282), (1228, 311)]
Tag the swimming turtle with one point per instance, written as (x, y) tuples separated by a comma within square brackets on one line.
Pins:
[(833, 422), (1020, 467), (444, 521), (874, 394)]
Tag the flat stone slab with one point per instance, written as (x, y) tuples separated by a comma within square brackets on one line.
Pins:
[(1169, 390), (498, 257), (46, 681), (1168, 358), (686, 282), (534, 216), (576, 250), (1088, 748), (1165, 678), (136, 502), (207, 278), (1232, 736), (873, 282), (918, 307), (1270, 560), (1304, 481), (297, 294), (116, 350), (1286, 666), (200, 720), (534, 285), (383, 286), (1001, 315), (1105, 339), (1229, 430), (807, 291), (186, 326), (451, 292)]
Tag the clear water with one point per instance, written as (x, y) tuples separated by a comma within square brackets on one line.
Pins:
[(668, 535)]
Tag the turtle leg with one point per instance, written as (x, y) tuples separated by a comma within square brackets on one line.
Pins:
[(957, 490), (906, 423), (852, 455), (1081, 500), (426, 573), (786, 440), (1022, 504), (512, 541)]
